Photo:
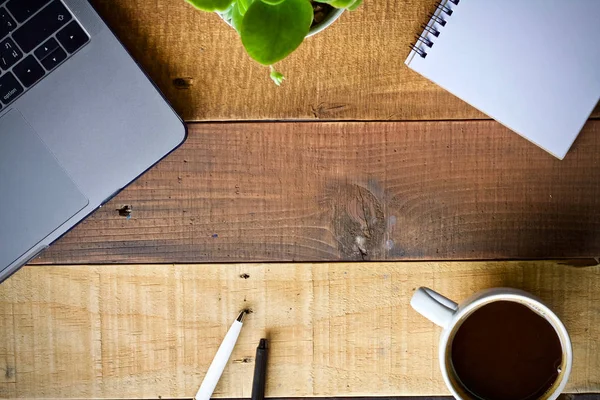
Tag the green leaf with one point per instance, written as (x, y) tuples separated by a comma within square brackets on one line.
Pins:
[(273, 2), (236, 16), (277, 76), (238, 10), (355, 5), (211, 5), (271, 32), (243, 5), (347, 4)]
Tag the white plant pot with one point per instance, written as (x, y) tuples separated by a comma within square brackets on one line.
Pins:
[(330, 19)]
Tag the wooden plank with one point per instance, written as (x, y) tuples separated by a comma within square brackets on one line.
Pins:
[(144, 331), (565, 396), (353, 71), (351, 191), (7, 352)]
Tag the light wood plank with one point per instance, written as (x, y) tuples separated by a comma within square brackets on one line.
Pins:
[(144, 331), (351, 191), (354, 70), (7, 351)]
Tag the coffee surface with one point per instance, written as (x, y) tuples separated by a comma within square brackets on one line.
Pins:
[(506, 351)]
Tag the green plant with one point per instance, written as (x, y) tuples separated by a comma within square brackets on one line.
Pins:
[(270, 29)]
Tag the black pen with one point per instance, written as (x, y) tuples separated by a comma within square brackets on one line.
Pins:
[(260, 370)]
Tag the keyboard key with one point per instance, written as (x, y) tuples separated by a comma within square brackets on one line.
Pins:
[(9, 54), (10, 88), (7, 24), (29, 71), (41, 26), (54, 59), (44, 50), (72, 37), (23, 9)]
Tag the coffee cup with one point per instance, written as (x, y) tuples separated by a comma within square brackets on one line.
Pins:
[(500, 343)]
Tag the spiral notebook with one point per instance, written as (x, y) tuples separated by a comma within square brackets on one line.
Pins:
[(532, 65)]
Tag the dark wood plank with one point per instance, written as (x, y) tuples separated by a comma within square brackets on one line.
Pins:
[(352, 71), (351, 191)]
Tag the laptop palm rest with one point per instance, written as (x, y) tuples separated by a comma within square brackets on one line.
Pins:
[(36, 194)]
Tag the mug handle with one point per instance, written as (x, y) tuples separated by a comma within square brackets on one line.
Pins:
[(433, 306)]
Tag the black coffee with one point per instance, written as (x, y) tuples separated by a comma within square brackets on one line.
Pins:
[(505, 351)]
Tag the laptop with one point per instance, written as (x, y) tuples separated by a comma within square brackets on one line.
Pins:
[(79, 121)]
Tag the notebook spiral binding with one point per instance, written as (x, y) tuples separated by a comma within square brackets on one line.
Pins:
[(431, 30)]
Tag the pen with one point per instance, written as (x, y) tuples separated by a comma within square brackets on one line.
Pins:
[(260, 370), (220, 361)]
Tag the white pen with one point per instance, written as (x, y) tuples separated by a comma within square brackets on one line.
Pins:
[(221, 358)]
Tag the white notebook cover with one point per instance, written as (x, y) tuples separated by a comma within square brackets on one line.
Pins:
[(532, 65)]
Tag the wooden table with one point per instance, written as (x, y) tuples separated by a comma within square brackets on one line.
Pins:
[(371, 152), (336, 329), (354, 158)]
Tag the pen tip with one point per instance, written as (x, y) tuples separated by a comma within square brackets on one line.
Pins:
[(263, 344), (240, 318)]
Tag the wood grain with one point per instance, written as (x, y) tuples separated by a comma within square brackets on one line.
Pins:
[(353, 71), (351, 191), (144, 331)]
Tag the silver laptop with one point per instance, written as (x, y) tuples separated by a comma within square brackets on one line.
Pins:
[(79, 121)]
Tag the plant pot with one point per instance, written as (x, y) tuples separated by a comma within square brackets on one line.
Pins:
[(330, 19)]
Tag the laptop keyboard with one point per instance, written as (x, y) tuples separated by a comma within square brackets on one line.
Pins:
[(36, 36)]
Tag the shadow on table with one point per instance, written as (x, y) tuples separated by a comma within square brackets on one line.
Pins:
[(140, 39)]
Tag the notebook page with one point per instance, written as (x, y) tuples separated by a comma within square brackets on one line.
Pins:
[(533, 65)]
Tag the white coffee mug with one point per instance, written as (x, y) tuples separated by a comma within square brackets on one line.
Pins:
[(449, 315)]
